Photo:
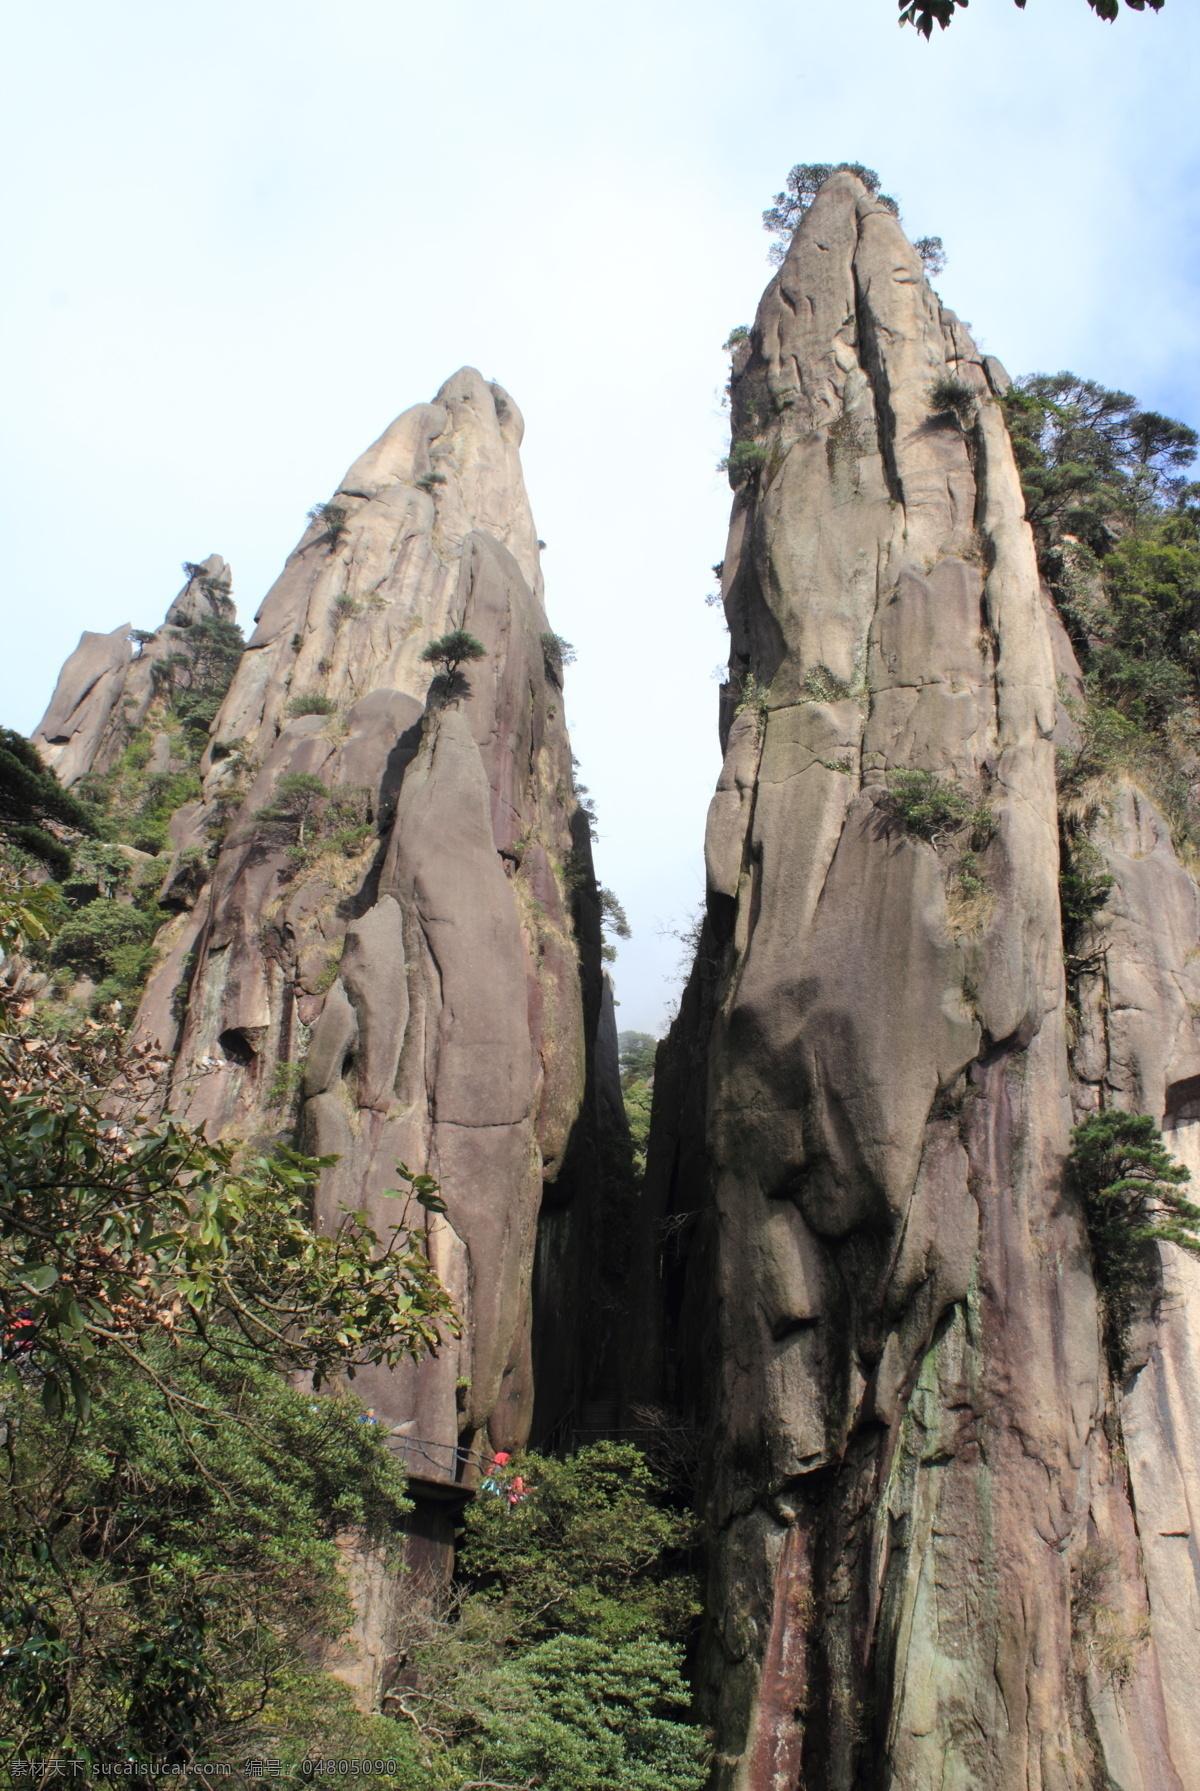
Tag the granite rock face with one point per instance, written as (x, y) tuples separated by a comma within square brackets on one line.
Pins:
[(419, 981), (404, 967), (876, 1287)]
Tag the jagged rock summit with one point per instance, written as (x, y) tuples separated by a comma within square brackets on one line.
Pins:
[(864, 1109)]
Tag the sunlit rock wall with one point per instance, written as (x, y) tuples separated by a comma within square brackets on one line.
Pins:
[(419, 979), (858, 1265)]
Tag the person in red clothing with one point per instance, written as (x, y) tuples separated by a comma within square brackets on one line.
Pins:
[(516, 1491), (494, 1483)]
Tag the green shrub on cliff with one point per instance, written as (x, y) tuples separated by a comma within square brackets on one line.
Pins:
[(930, 808), (313, 703), (951, 396), (743, 461), (1130, 1189), (91, 939)]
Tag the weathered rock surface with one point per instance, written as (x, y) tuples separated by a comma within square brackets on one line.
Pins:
[(875, 1287), (105, 689), (417, 981)]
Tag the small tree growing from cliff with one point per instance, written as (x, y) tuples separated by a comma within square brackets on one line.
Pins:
[(453, 650), (299, 798), (1130, 1189), (932, 251), (331, 518), (613, 920)]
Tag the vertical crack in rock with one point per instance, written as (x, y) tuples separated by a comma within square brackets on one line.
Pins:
[(882, 1304)]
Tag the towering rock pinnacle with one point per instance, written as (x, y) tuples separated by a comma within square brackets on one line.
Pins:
[(862, 1115), (386, 931)]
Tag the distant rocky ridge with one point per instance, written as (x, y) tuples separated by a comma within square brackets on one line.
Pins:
[(105, 690)]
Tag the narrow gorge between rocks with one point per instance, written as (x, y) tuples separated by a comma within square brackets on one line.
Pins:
[(945, 1500)]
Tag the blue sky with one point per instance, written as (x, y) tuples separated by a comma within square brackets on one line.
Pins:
[(243, 236)]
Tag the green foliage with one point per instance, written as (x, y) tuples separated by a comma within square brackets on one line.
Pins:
[(1144, 647), (311, 704), (128, 803), (637, 1054), (925, 14), (1091, 459), (345, 607), (111, 1235), (743, 461), (285, 1084), (92, 938), (556, 653), (163, 795), (823, 686), (929, 808), (1129, 1186), (453, 650), (168, 1564), (1083, 885), (31, 800), (932, 251), (558, 1662), (168, 1568), (331, 518), (297, 798), (577, 1714), (1118, 536), (202, 667), (739, 334), (29, 912), (950, 395), (638, 1099), (311, 816), (803, 183), (613, 923), (755, 700), (594, 1550), (637, 1058)]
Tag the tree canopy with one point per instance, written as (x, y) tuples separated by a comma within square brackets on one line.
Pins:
[(453, 650), (925, 14)]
